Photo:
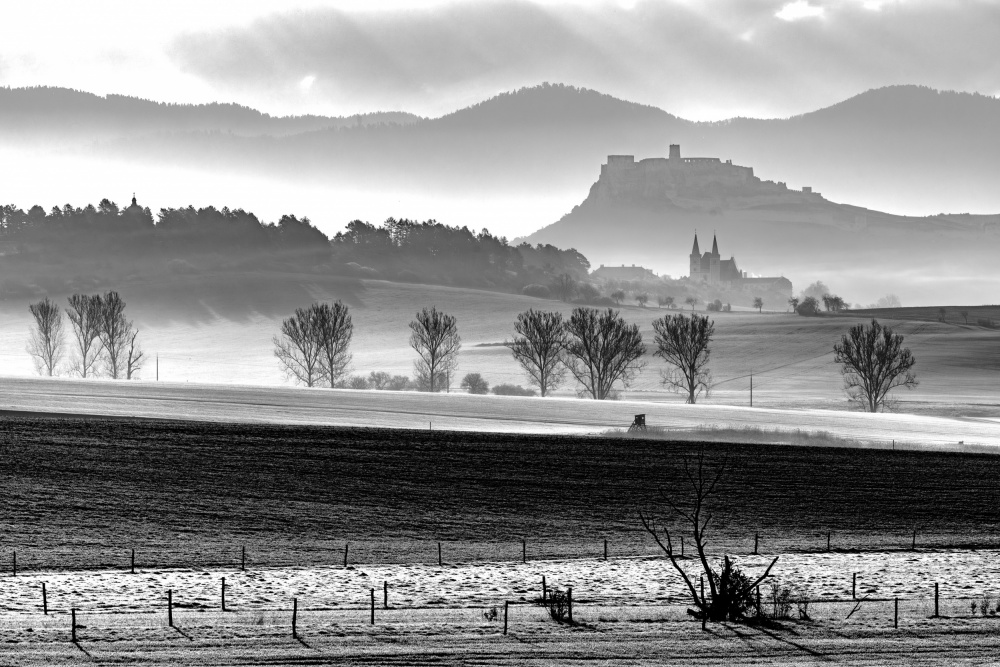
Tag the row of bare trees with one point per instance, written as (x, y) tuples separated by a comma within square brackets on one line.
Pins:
[(104, 341), (599, 349)]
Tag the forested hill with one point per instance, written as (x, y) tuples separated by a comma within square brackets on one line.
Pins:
[(50, 114), (72, 248)]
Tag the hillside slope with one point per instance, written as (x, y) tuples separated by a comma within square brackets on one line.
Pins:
[(200, 333)]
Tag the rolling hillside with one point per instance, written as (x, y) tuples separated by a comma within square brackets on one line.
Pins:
[(202, 335)]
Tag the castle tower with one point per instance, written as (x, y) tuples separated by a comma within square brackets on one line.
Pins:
[(695, 259), (675, 152)]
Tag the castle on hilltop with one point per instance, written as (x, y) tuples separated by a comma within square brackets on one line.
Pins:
[(697, 183), (712, 269)]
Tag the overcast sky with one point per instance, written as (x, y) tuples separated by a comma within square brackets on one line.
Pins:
[(700, 59)]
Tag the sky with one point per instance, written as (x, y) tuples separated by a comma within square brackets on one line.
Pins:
[(699, 59)]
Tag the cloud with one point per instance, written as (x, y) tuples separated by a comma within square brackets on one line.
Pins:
[(701, 60), (800, 9)]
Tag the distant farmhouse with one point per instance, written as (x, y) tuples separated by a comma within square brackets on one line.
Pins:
[(712, 269), (623, 273)]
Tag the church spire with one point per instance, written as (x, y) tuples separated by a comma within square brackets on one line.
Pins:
[(715, 245), (695, 250)]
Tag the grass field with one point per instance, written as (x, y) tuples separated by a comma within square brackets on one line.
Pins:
[(220, 332)]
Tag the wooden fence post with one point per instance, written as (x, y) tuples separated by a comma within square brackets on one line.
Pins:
[(569, 603), (385, 594), (170, 608), (854, 585), (14, 554), (913, 545), (45, 601), (72, 623), (758, 599), (828, 540), (544, 590), (345, 553), (133, 561), (682, 547), (439, 554), (895, 613), (373, 606), (243, 558), (295, 613), (605, 549), (223, 594), (506, 604), (756, 539), (935, 600), (524, 551)]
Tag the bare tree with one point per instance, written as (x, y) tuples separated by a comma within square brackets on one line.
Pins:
[(298, 348), (965, 315), (642, 299), (333, 329), (683, 342), (134, 356), (794, 303), (563, 286), (602, 350), (47, 341), (730, 594), (874, 362), (758, 303), (691, 301), (116, 334), (618, 296), (539, 347), (84, 314), (435, 338)]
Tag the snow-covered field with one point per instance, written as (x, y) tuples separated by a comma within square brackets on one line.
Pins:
[(617, 581)]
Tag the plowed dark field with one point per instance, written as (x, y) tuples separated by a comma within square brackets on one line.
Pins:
[(81, 493)]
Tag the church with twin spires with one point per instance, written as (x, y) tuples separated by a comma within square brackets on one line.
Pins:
[(712, 269)]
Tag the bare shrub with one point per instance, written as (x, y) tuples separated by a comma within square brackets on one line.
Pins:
[(780, 600), (557, 604), (474, 383), (357, 382), (731, 593), (507, 389)]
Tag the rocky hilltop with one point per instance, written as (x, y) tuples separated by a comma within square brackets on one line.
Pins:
[(647, 211)]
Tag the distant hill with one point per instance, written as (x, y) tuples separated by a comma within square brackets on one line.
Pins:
[(893, 148), (648, 212), (51, 115)]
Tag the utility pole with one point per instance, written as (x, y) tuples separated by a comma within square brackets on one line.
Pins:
[(751, 390), (157, 368)]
